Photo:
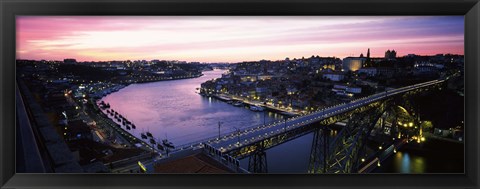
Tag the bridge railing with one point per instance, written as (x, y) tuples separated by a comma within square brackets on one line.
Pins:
[(276, 123), (224, 159), (231, 133)]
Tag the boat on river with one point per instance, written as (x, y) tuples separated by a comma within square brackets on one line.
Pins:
[(257, 108), (224, 97), (238, 103), (149, 134), (152, 141), (168, 144), (160, 147)]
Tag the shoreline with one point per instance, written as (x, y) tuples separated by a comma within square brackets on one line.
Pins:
[(432, 136), (120, 85), (168, 79), (375, 160), (228, 97), (119, 130)]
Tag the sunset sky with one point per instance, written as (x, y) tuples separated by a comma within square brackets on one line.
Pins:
[(233, 39)]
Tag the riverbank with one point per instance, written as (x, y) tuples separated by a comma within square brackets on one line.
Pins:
[(432, 136), (285, 112), (102, 115), (431, 156), (375, 160), (120, 85), (160, 79), (133, 140), (174, 109)]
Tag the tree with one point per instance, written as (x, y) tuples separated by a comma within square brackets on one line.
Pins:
[(426, 125)]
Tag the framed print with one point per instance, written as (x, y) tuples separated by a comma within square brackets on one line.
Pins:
[(188, 94)]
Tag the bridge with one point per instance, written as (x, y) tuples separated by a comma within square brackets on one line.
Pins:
[(338, 156)]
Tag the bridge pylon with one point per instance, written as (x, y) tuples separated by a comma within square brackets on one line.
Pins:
[(349, 144), (319, 150), (257, 163)]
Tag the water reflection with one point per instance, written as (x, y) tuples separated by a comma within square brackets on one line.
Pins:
[(173, 110), (418, 165), (406, 163)]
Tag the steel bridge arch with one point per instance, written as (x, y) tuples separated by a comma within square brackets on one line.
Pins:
[(354, 134), (344, 152)]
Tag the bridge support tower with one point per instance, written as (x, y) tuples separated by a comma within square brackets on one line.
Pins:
[(319, 151), (257, 163)]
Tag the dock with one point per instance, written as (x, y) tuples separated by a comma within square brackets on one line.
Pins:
[(375, 160), (226, 98)]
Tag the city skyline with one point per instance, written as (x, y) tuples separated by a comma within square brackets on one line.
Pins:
[(233, 39)]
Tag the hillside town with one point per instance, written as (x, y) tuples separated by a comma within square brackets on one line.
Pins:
[(302, 85), (68, 92)]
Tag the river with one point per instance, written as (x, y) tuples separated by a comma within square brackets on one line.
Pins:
[(174, 110), (433, 156)]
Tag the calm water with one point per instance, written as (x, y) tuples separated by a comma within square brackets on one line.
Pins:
[(433, 156), (173, 110)]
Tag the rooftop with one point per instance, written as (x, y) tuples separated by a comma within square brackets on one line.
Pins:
[(197, 163)]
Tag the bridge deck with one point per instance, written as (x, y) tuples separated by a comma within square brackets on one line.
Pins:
[(234, 140)]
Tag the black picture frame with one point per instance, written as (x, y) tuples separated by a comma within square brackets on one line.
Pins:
[(11, 8)]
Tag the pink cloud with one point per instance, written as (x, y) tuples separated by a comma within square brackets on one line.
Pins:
[(231, 38)]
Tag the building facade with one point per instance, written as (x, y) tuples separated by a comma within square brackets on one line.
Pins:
[(353, 63), (390, 55)]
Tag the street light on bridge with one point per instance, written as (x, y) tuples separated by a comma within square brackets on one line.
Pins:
[(238, 134), (219, 125)]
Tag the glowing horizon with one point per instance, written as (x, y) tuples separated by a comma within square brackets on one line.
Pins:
[(233, 39)]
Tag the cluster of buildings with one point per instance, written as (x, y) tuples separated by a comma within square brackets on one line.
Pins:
[(65, 91), (390, 63), (277, 83), (314, 82), (125, 72), (62, 129), (64, 88)]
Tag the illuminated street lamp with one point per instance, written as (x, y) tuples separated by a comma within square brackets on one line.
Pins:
[(219, 125)]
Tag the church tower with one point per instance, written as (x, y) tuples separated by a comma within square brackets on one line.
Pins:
[(367, 60)]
